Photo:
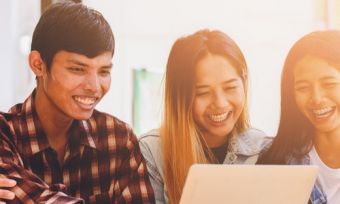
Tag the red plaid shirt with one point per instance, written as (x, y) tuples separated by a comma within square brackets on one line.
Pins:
[(102, 163)]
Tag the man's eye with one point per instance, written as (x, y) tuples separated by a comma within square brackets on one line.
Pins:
[(76, 69), (105, 72)]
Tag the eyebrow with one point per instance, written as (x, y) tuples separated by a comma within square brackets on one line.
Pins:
[(108, 66), (76, 62), (328, 77), (224, 83), (321, 79)]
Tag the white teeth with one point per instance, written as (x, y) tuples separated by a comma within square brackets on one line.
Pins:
[(85, 100), (218, 117), (322, 112)]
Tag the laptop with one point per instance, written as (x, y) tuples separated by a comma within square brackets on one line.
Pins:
[(245, 184)]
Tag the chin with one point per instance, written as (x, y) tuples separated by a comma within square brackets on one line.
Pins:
[(220, 134), (82, 116)]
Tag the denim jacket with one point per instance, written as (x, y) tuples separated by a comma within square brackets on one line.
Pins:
[(317, 196), (246, 149)]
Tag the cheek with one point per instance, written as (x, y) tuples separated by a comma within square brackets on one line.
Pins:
[(198, 108), (336, 96), (238, 99), (300, 101), (105, 84), (65, 81)]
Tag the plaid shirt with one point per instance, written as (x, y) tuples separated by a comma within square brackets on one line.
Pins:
[(102, 163)]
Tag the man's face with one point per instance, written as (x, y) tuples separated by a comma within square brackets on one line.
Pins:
[(75, 83)]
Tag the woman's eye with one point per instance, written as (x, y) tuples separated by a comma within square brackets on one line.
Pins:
[(330, 84), (228, 88), (202, 93)]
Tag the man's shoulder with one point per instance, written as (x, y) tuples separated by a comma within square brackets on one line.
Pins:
[(112, 128), (4, 121), (6, 127), (7, 118), (13, 112), (110, 121)]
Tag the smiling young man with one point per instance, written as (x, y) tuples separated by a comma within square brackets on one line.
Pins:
[(55, 145)]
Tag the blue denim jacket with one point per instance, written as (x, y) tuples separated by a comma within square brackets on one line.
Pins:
[(317, 196), (246, 149)]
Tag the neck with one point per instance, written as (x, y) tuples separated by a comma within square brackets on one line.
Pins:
[(213, 141), (54, 122), (328, 147), (328, 139)]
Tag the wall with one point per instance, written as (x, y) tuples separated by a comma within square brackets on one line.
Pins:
[(17, 21), (145, 31), (264, 29)]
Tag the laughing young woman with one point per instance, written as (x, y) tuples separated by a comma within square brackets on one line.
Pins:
[(205, 113), (309, 129)]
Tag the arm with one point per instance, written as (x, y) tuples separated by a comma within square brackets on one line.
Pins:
[(29, 188), (132, 184), (6, 194), (149, 146)]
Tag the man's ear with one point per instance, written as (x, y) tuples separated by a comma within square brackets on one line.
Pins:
[(36, 63)]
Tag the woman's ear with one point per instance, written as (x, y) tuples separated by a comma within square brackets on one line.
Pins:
[(36, 63)]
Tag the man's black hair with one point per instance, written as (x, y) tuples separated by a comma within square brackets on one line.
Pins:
[(72, 27)]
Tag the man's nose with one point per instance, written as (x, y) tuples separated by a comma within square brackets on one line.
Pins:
[(92, 83)]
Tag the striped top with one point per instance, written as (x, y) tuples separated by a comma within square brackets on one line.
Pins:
[(102, 163)]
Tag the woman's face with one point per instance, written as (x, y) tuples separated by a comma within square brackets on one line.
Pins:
[(219, 98), (317, 93)]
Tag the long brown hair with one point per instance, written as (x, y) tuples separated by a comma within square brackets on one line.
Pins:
[(295, 132), (182, 143)]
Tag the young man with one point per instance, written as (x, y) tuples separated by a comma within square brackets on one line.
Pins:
[(55, 145)]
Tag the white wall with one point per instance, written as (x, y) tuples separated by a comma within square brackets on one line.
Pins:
[(264, 29), (6, 52), (17, 21), (145, 31)]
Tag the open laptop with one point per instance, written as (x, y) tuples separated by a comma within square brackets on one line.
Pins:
[(245, 184)]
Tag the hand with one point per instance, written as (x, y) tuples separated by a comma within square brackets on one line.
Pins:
[(6, 194)]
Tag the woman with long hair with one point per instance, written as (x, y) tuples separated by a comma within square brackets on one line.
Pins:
[(309, 128), (205, 113)]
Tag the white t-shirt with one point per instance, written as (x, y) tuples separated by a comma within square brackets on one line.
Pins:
[(329, 178)]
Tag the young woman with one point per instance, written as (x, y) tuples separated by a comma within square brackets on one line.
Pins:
[(309, 129), (205, 113)]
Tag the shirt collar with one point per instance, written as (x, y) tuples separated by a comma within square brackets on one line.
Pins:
[(250, 142), (34, 137), (88, 136), (82, 131)]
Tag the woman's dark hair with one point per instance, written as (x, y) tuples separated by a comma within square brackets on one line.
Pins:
[(71, 27), (295, 132)]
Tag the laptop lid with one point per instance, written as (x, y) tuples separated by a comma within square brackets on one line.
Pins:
[(244, 184)]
